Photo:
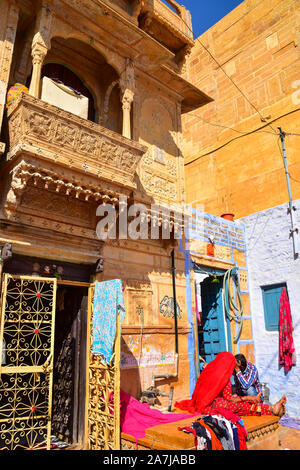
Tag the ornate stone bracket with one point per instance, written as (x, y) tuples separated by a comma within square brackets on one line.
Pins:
[(24, 173), (182, 56), (137, 7)]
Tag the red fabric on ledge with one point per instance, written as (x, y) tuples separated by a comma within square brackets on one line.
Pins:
[(211, 382)]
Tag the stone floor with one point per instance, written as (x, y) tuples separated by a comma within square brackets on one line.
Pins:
[(289, 438)]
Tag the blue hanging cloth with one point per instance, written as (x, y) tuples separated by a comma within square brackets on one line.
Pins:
[(108, 304)]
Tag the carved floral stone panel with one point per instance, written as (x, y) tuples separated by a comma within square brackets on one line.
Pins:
[(158, 169), (73, 141)]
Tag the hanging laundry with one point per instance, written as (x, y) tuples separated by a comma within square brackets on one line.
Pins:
[(108, 304), (287, 353)]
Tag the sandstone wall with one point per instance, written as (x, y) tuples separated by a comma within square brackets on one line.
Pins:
[(241, 170)]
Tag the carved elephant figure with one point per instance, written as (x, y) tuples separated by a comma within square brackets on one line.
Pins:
[(167, 307)]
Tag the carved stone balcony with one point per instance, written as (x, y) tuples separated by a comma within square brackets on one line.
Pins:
[(50, 133), (178, 20), (170, 25)]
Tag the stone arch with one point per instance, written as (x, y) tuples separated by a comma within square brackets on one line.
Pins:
[(89, 65), (60, 29)]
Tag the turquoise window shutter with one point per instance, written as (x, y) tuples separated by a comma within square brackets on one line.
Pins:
[(271, 301)]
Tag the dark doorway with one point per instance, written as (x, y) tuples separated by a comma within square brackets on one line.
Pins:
[(69, 364)]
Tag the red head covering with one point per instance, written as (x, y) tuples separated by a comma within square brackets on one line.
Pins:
[(213, 379)]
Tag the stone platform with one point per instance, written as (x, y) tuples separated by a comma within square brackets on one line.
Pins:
[(262, 433)]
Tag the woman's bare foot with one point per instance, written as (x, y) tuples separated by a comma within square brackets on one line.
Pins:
[(283, 400), (279, 407)]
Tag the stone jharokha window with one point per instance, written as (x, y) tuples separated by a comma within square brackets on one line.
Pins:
[(271, 301), (63, 75), (64, 78)]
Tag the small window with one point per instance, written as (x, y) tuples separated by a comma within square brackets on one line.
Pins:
[(271, 301)]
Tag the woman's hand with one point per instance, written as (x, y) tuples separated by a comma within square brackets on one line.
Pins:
[(253, 398)]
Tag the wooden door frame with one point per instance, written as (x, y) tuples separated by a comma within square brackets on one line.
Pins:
[(222, 323), (81, 383)]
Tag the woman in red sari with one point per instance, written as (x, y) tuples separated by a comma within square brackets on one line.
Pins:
[(213, 390)]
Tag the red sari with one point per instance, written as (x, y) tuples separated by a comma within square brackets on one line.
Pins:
[(241, 408), (213, 390)]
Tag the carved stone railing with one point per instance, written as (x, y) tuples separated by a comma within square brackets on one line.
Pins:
[(179, 21), (52, 133), (172, 15)]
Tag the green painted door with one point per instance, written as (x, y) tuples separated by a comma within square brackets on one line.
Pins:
[(213, 322)]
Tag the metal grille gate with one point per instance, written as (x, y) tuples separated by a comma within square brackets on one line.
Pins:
[(26, 349), (103, 394)]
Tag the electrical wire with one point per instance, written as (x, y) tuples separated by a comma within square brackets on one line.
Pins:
[(263, 119), (226, 127)]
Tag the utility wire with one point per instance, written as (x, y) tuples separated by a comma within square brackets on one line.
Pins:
[(228, 127), (263, 119)]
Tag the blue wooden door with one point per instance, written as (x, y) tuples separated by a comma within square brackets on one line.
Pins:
[(213, 324)]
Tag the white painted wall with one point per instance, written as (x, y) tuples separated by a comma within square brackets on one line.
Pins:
[(271, 261)]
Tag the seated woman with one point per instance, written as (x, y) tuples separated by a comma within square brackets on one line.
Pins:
[(213, 390)]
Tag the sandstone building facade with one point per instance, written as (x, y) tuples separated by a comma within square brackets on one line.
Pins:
[(125, 62), (249, 64)]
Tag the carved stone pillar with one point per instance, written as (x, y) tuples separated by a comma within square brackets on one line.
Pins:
[(127, 100), (38, 53), (127, 85), (40, 45)]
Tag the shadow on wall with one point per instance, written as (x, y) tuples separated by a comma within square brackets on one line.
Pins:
[(130, 376)]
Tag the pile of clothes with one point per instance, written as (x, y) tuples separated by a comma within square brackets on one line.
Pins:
[(220, 431)]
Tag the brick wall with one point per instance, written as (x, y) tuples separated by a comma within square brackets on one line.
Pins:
[(257, 45)]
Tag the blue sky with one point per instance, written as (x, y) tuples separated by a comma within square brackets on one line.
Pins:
[(206, 13)]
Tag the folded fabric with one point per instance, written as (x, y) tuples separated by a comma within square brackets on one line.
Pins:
[(136, 417), (205, 438), (237, 420), (14, 92), (108, 304)]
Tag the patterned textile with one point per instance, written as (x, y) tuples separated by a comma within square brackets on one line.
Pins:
[(287, 353), (14, 92), (205, 438), (240, 408), (108, 304), (249, 378)]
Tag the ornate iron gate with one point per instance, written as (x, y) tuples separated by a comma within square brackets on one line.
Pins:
[(103, 394), (26, 354)]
